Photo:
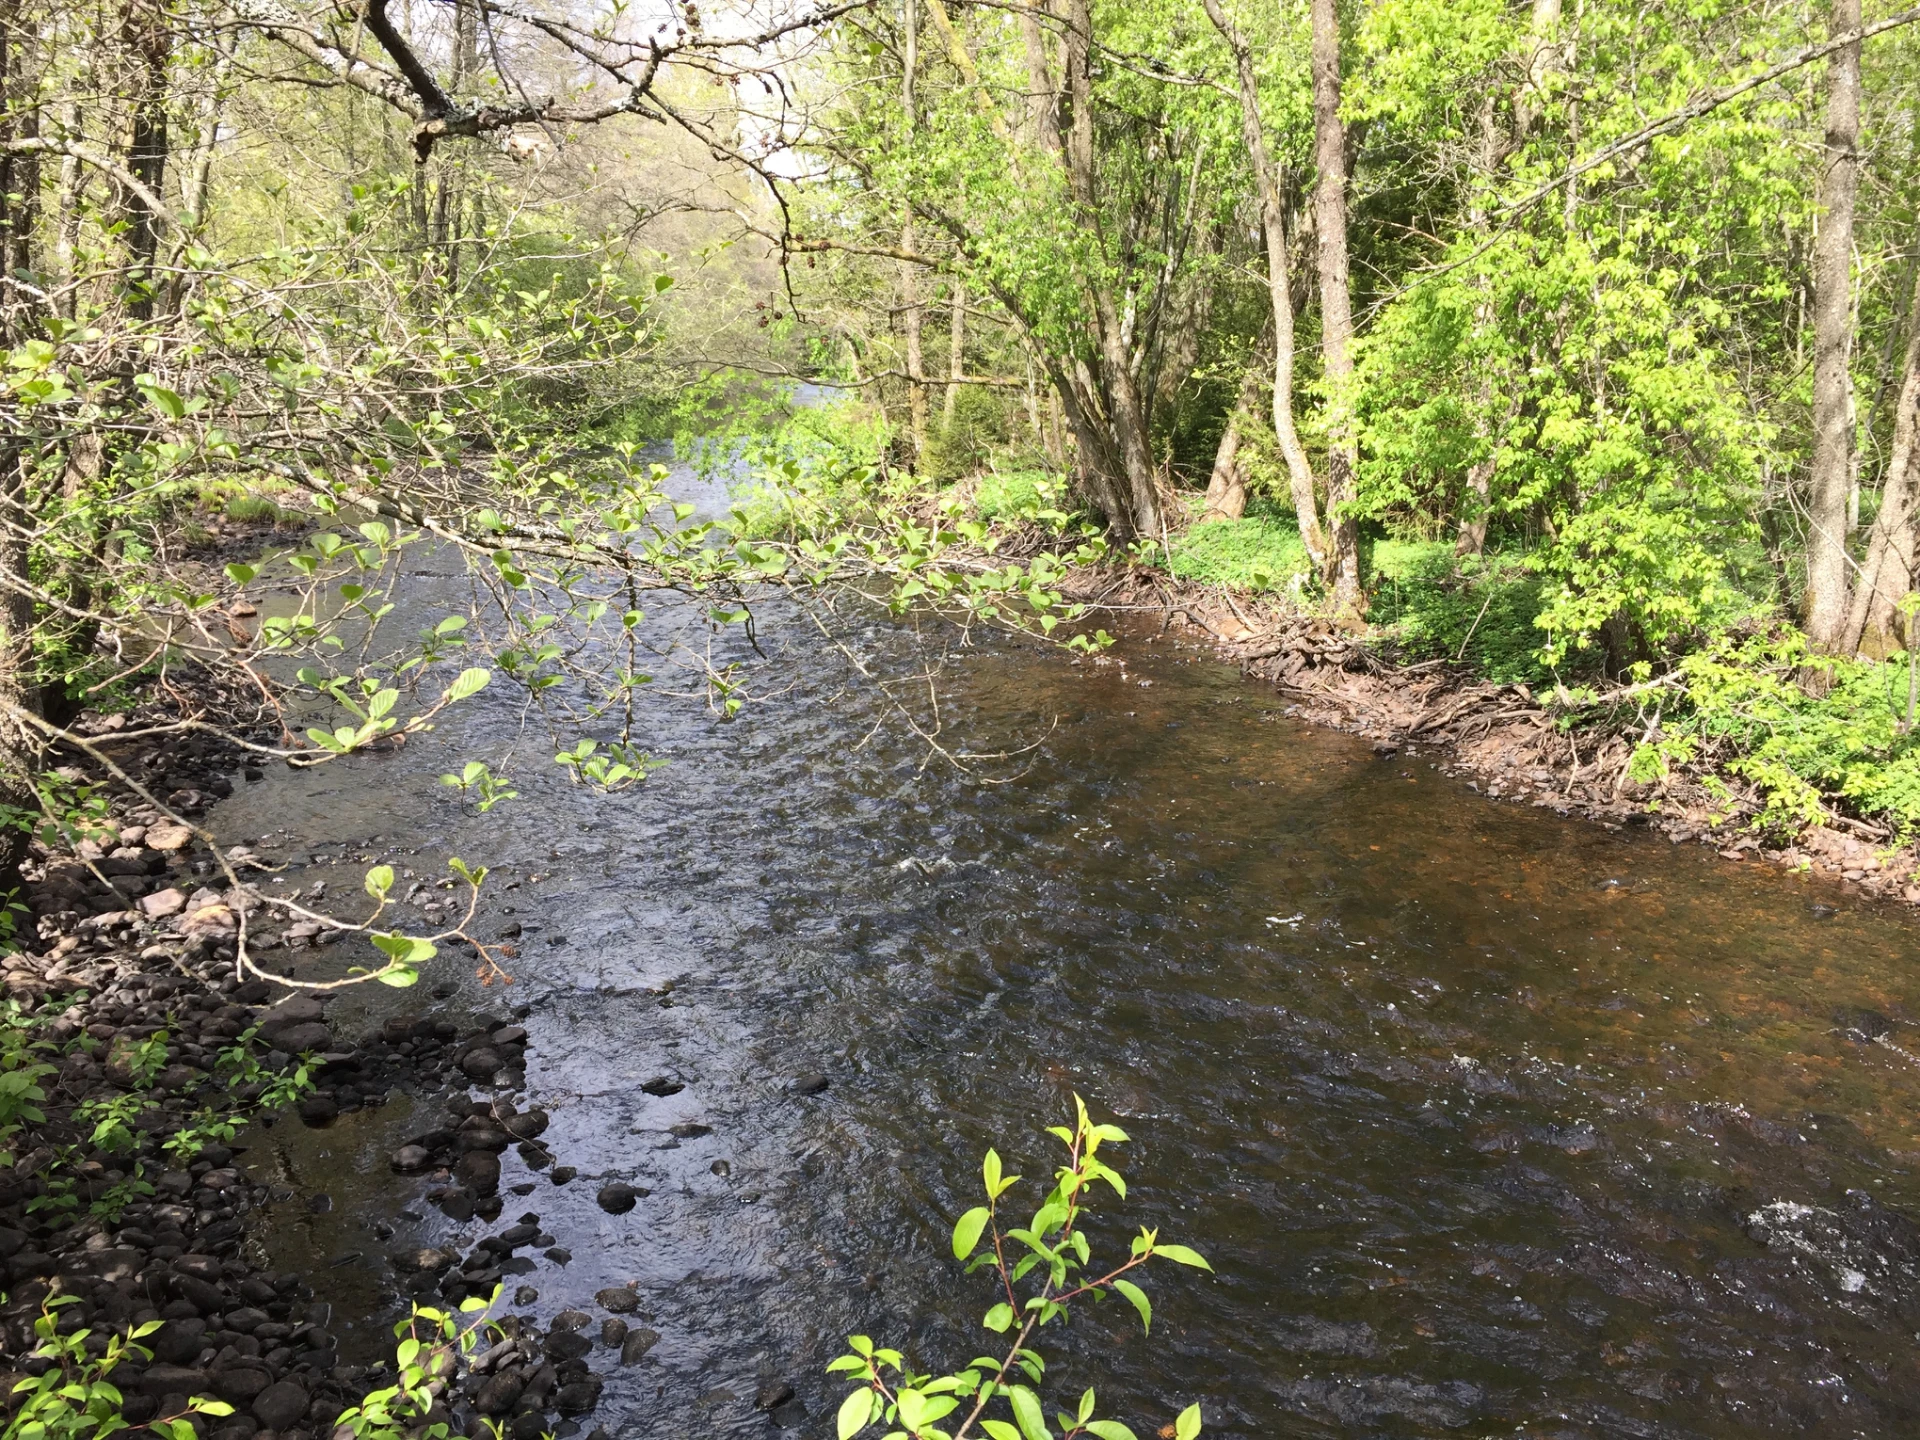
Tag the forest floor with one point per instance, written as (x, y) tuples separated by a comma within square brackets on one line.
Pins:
[(1510, 743)]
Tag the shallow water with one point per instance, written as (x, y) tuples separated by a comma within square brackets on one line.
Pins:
[(1472, 1108)]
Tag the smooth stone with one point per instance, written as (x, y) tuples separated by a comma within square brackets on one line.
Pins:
[(281, 1405), (637, 1344), (618, 1299), (811, 1083), (772, 1393), (662, 1086), (618, 1198), (411, 1159), (613, 1332), (689, 1130)]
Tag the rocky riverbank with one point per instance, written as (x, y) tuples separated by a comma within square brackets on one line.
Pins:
[(131, 1191)]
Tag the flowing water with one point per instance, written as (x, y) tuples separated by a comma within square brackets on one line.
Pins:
[(1489, 1121)]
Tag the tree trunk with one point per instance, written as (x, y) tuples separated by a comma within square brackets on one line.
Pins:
[(1227, 489), (1473, 528), (1342, 569), (146, 32), (1825, 610), (956, 346), (1273, 225), (1872, 623), (909, 278), (1123, 451)]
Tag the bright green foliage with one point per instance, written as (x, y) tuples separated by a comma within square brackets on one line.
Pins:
[(432, 1344), (1042, 1267), (1481, 613), (75, 1397), (1013, 496), (1259, 551), (1742, 700)]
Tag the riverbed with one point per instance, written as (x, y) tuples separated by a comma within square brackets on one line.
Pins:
[(1488, 1120)]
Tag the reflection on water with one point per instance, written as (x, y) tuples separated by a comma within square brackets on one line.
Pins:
[(1487, 1120)]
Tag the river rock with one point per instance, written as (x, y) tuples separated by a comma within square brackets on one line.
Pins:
[(500, 1393), (168, 837), (240, 1383), (689, 1130), (564, 1345), (662, 1086), (812, 1083), (578, 1396), (281, 1405), (613, 1332), (163, 904), (479, 1171), (790, 1416), (162, 1380), (410, 1159), (772, 1393), (528, 1124), (618, 1299), (480, 1064), (617, 1198), (423, 1260), (179, 1341), (319, 1109), (637, 1344)]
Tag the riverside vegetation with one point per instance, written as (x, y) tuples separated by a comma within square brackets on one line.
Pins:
[(1575, 355)]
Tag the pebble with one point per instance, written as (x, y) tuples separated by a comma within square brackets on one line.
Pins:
[(811, 1083), (618, 1299)]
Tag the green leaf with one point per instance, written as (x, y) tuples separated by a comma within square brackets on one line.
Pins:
[(1140, 1302), (380, 881), (1000, 1430), (1188, 1424), (469, 682), (855, 1413), (1109, 1430), (966, 1233), (240, 574), (211, 1407), (990, 1172), (1026, 1410), (998, 1318), (1181, 1255)]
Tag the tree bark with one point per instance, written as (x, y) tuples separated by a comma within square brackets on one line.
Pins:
[(1825, 609), (1273, 227), (956, 346), (909, 279), (147, 34), (1872, 624), (1227, 489), (1112, 402), (1342, 568)]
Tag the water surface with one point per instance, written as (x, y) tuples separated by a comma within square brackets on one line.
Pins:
[(1473, 1108)]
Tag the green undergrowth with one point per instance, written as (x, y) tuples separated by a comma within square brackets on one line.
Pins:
[(1260, 551), (1753, 704), (1011, 497), (1479, 612)]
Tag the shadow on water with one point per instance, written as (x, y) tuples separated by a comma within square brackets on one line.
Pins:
[(1486, 1119)]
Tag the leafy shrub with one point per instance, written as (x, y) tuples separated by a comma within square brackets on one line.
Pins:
[(1742, 694), (961, 446), (74, 1398), (1012, 496), (1054, 1260)]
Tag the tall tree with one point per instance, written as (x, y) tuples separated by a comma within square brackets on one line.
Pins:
[(1273, 232), (1831, 477), (1342, 565)]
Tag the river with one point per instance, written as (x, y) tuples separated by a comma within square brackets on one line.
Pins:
[(1488, 1120)]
